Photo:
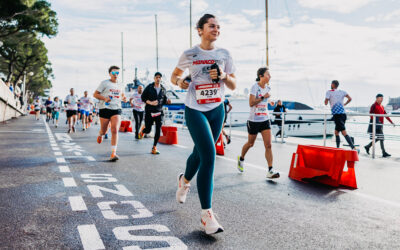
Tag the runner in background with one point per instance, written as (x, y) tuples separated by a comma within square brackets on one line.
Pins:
[(155, 96), (378, 108), (227, 108), (336, 97), (79, 112), (259, 120), (71, 102), (110, 93), (37, 107), (280, 108), (138, 109), (85, 103), (211, 69), (48, 105), (56, 111)]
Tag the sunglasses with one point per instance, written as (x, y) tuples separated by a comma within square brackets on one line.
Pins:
[(115, 73)]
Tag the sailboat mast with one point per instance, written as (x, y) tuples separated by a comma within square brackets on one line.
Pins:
[(122, 56), (155, 16), (266, 26), (190, 20)]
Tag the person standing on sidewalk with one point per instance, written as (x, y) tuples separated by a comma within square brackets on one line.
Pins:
[(138, 109), (336, 97), (377, 108), (211, 69), (259, 121), (280, 108), (110, 93), (155, 96)]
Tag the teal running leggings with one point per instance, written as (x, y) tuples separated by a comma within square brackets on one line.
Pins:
[(204, 127)]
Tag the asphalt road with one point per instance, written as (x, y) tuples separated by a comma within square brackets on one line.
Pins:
[(58, 191)]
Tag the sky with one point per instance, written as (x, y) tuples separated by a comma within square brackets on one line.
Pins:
[(311, 43)]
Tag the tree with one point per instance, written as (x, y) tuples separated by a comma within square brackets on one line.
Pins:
[(27, 16)]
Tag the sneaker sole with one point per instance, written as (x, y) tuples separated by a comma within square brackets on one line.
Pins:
[(176, 195), (274, 176), (114, 159), (219, 230)]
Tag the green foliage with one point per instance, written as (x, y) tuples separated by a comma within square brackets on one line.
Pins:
[(22, 23)]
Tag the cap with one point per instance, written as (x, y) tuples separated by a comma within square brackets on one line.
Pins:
[(157, 74)]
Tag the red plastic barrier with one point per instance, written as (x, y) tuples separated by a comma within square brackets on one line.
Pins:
[(324, 165), (122, 126), (170, 135), (128, 126), (219, 146)]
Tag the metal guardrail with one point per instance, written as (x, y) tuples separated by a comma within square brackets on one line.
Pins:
[(178, 116)]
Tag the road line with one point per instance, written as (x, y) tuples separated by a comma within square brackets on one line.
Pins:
[(78, 153), (90, 237), (69, 182), (61, 160), (57, 153), (179, 146), (90, 158), (55, 148), (77, 203), (64, 169)]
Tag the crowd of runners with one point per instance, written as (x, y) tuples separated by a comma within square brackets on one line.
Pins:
[(210, 70)]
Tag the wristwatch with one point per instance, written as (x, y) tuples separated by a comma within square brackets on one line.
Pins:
[(262, 98)]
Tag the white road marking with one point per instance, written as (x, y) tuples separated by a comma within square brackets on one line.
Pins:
[(53, 144), (179, 146), (60, 160), (77, 203), (78, 153), (55, 148), (90, 158), (57, 153), (64, 169), (96, 191), (69, 182), (90, 237)]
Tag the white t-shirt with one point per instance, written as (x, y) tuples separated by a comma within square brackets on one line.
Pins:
[(73, 105), (56, 106), (112, 90), (336, 98), (259, 112), (85, 103), (203, 94), (37, 105), (138, 104)]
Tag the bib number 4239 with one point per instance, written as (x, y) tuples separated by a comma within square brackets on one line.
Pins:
[(208, 93)]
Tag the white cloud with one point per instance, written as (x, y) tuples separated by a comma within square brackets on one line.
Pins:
[(341, 6), (198, 6), (253, 12), (391, 16)]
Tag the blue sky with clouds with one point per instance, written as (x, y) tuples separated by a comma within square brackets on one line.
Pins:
[(311, 43)]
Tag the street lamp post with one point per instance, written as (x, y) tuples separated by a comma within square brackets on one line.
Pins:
[(24, 86)]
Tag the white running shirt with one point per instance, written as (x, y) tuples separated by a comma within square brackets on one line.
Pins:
[(203, 94), (336, 99), (85, 103), (259, 112), (74, 102), (112, 90), (138, 104)]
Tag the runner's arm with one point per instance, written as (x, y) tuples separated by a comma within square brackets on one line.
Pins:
[(98, 96), (176, 79), (348, 100), (254, 101)]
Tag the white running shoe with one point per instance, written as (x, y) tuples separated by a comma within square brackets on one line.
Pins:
[(272, 174), (209, 223), (183, 189)]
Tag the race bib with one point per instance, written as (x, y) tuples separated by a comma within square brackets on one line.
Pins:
[(261, 110), (155, 114), (208, 93)]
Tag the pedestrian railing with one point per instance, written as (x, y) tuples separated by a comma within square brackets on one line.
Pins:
[(325, 126)]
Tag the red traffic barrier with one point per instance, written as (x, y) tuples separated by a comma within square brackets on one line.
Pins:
[(324, 165), (170, 135), (128, 126), (219, 146)]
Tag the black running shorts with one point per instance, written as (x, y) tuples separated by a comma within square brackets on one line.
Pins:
[(108, 113), (71, 113), (340, 121), (254, 128)]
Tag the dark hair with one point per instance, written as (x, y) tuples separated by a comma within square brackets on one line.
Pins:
[(111, 68), (336, 83), (379, 95), (55, 98), (261, 72), (157, 74), (203, 20)]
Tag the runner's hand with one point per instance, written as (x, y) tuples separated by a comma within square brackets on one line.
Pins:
[(168, 101), (183, 84), (267, 95), (108, 99)]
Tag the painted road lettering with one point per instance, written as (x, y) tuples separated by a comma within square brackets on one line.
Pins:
[(108, 213)]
